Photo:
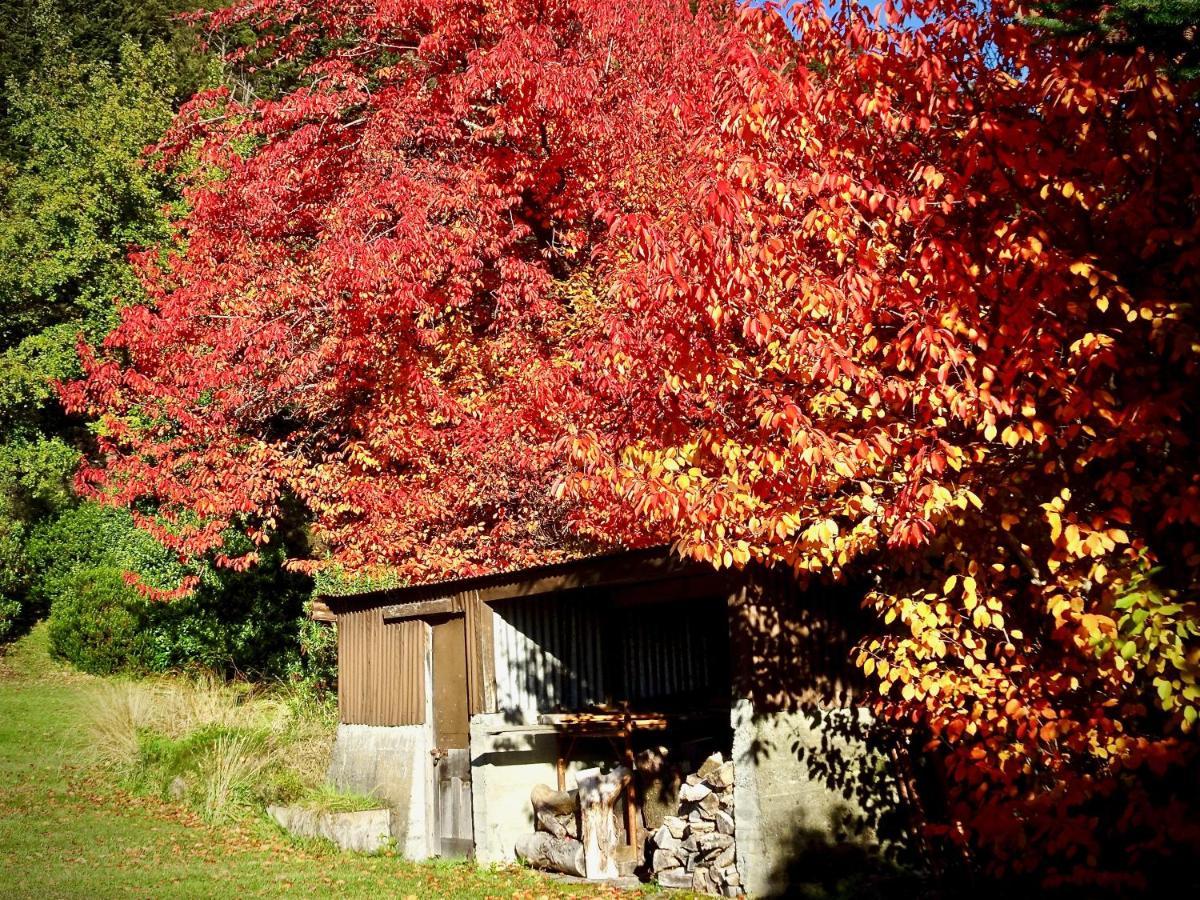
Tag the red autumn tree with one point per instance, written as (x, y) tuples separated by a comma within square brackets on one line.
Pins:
[(379, 271), (926, 310), (909, 297)]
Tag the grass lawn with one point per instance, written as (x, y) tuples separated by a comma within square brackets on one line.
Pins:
[(67, 831)]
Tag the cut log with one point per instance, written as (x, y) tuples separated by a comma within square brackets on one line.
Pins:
[(545, 851), (554, 811), (597, 796)]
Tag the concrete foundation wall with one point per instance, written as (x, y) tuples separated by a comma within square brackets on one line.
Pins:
[(391, 763), (807, 798), (504, 769)]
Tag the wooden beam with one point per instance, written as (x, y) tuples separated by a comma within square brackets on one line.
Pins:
[(445, 606), (319, 611)]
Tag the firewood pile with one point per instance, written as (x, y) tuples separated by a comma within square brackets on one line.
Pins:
[(695, 848), (576, 835)]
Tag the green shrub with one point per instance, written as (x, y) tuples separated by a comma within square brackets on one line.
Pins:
[(314, 669), (236, 624), (10, 614), (96, 622)]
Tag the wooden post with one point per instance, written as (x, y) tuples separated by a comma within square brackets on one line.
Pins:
[(597, 795), (560, 761), (631, 823)]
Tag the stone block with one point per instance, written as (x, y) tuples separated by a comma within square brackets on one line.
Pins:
[(711, 765), (722, 778), (675, 878), (724, 822), (714, 841), (665, 839), (367, 831), (665, 859), (675, 825)]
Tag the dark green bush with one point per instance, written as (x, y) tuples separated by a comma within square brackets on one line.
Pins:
[(96, 622), (246, 624)]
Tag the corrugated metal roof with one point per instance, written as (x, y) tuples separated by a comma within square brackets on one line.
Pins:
[(515, 579)]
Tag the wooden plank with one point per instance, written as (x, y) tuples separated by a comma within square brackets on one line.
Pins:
[(450, 717), (445, 606), (455, 828), (481, 653), (319, 611), (523, 729)]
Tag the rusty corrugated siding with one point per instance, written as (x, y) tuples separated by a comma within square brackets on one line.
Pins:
[(381, 669)]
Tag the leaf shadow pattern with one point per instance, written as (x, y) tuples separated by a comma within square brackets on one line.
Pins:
[(853, 810)]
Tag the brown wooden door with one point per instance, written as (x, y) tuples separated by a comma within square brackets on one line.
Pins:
[(451, 731)]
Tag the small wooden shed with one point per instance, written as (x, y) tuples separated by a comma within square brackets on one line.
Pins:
[(457, 698)]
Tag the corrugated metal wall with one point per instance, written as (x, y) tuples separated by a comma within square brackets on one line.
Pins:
[(381, 669), (548, 653), (571, 651), (674, 649)]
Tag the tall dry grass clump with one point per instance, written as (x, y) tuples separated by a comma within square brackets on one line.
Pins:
[(117, 714), (221, 747), (230, 768)]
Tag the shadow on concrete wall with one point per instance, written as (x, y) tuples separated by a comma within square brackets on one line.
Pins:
[(856, 829)]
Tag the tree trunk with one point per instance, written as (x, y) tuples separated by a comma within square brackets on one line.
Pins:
[(597, 795), (544, 851)]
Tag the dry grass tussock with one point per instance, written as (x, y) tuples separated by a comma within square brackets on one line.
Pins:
[(221, 747)]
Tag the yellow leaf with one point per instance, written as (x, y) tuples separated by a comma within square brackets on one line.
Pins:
[(969, 594)]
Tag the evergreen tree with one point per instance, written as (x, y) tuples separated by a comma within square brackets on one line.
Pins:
[(1168, 29)]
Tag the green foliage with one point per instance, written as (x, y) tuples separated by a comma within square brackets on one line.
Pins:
[(74, 197), (95, 621), (35, 475), (314, 669), (79, 197), (10, 610), (1158, 632), (334, 581), (1166, 28), (93, 31), (236, 623)]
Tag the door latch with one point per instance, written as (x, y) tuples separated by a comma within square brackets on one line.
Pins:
[(438, 755)]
